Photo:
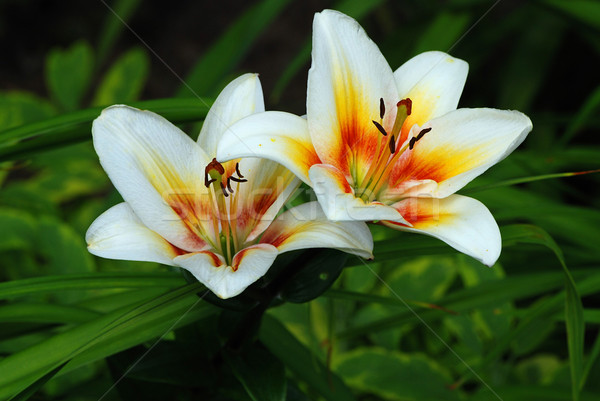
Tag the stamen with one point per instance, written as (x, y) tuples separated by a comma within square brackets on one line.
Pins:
[(223, 189), (415, 139), (381, 108), (237, 170), (393, 145), (237, 179), (380, 128)]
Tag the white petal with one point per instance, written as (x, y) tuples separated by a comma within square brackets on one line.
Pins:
[(151, 162), (210, 269), (306, 226), (463, 223), (346, 81), (434, 82), (242, 97), (460, 146), (281, 137), (259, 200), (339, 202), (119, 234)]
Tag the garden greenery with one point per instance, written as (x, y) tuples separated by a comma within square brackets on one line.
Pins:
[(277, 256)]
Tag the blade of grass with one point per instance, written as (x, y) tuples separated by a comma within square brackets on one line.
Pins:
[(75, 127), (20, 370), (523, 180), (45, 313), (72, 282), (208, 73), (357, 9), (32, 389), (300, 361)]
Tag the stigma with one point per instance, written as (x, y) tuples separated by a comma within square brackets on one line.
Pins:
[(215, 171)]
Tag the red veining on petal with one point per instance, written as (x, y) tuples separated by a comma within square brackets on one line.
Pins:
[(237, 259)]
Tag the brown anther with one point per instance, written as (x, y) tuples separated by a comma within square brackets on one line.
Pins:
[(393, 144), (407, 103), (232, 178), (381, 108), (380, 127), (237, 170), (224, 190), (229, 185), (414, 139)]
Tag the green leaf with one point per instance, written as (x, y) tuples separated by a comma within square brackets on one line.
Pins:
[(78, 282), (100, 337), (354, 8), (261, 374), (45, 313), (33, 388), (442, 32), (573, 307), (125, 79), (319, 268), (17, 108), (115, 22), (531, 58), (76, 126), (68, 74), (18, 228), (586, 11), (394, 375), (207, 75), (301, 362), (588, 110)]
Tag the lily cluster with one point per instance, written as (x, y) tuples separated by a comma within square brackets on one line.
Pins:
[(376, 145)]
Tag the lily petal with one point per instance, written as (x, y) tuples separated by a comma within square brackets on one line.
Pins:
[(259, 200), (463, 223), (434, 82), (242, 97), (346, 81), (119, 234), (339, 202), (248, 265), (155, 167), (460, 146), (281, 137), (306, 226)]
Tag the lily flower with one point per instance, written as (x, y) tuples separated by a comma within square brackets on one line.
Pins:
[(378, 145), (183, 208)]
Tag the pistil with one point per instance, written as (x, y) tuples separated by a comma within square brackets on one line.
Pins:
[(224, 229)]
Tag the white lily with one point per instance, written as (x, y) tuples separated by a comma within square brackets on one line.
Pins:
[(378, 145), (183, 208)]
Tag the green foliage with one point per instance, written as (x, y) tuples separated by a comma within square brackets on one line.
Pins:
[(419, 322), (68, 74)]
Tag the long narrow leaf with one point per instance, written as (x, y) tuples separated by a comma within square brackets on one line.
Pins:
[(71, 282), (76, 126)]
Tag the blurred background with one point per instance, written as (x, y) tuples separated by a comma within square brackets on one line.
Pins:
[(508, 323)]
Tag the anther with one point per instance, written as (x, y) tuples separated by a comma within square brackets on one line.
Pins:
[(414, 139), (393, 144), (232, 178), (381, 108), (229, 185), (380, 127), (223, 189), (237, 170)]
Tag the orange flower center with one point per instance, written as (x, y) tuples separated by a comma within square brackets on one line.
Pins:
[(383, 161)]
